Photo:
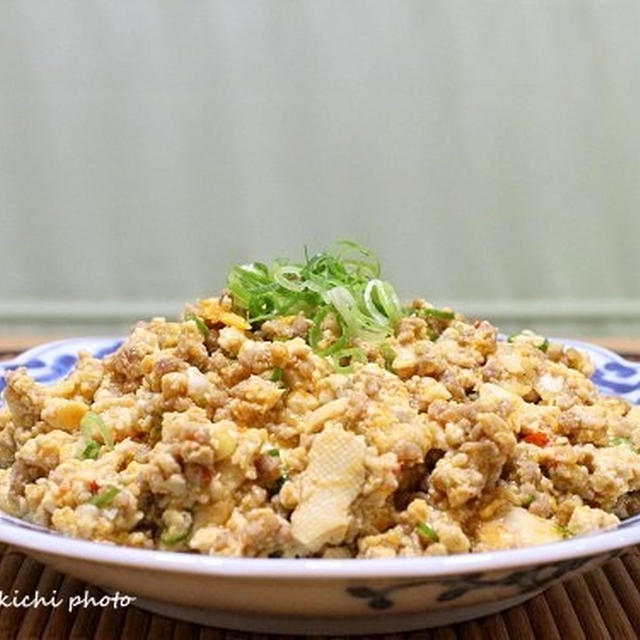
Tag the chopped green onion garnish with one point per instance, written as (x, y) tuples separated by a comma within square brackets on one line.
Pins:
[(440, 314), (614, 442), (276, 374), (343, 284), (529, 500), (278, 484), (89, 420), (315, 333), (432, 334), (565, 531), (103, 498), (202, 327), (180, 537), (543, 346), (427, 532), (274, 453), (388, 354), (352, 355), (381, 301), (91, 450)]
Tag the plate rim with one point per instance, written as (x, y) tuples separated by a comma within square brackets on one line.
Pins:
[(52, 544)]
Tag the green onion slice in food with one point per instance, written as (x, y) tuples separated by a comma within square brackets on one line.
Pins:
[(202, 327), (91, 451), (278, 484), (103, 498), (427, 532), (175, 539), (388, 353), (440, 314), (87, 424)]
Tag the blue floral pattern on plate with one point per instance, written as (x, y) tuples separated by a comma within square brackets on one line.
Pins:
[(613, 375), (54, 360), (455, 587)]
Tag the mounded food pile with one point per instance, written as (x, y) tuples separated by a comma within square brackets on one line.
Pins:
[(306, 412)]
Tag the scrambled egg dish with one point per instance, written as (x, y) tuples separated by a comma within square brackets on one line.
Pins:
[(246, 431)]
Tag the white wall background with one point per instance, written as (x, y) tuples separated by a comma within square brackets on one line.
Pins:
[(489, 151)]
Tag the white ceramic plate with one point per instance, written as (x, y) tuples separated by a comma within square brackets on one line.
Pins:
[(320, 596)]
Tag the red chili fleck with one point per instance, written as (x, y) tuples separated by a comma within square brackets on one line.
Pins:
[(537, 438), (93, 486), (206, 475)]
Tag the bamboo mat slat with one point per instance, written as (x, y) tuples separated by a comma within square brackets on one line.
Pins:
[(603, 603)]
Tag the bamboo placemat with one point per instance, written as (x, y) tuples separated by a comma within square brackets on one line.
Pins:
[(600, 604)]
